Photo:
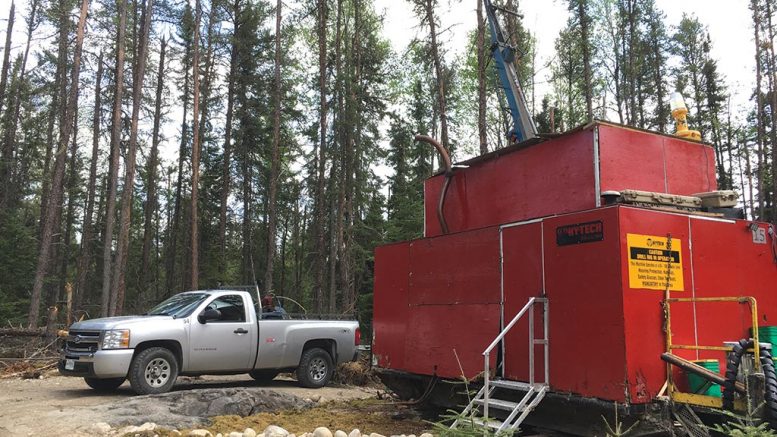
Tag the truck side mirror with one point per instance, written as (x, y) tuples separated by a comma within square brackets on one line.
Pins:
[(208, 315)]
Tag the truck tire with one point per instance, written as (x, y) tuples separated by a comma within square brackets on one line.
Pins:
[(153, 371), (105, 384), (263, 375), (315, 368)]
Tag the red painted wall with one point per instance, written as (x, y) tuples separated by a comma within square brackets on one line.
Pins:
[(434, 296), (552, 177), (557, 176), (390, 309), (633, 159), (721, 261)]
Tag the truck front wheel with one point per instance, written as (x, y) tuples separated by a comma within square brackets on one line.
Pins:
[(153, 371), (315, 368), (104, 385)]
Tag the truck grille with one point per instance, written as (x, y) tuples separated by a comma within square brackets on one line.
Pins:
[(82, 341)]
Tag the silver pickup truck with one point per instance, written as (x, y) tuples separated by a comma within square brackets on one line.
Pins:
[(201, 333)]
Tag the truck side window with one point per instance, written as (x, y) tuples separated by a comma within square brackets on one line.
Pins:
[(231, 307)]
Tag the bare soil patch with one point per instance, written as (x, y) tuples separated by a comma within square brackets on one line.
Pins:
[(57, 405)]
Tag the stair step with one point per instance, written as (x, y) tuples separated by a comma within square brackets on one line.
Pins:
[(512, 385), (498, 403), (491, 423)]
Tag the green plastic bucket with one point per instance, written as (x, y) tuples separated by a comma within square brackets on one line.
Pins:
[(696, 382), (768, 334)]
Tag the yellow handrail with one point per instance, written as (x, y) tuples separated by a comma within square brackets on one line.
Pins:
[(668, 329)]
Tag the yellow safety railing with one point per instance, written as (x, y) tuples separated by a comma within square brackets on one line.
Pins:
[(671, 346)]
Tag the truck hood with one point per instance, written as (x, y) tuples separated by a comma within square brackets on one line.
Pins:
[(123, 322)]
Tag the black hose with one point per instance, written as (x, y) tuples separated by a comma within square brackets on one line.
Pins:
[(770, 377)]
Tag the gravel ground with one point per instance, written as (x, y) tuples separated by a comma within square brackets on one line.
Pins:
[(63, 406)]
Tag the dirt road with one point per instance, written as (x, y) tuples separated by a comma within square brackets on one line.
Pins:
[(64, 406)]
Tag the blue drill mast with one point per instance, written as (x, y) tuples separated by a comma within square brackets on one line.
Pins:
[(504, 54)]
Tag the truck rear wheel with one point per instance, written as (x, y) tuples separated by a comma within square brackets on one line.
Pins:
[(153, 371), (315, 368), (105, 384)]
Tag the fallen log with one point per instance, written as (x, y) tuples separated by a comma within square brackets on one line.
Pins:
[(22, 332), (689, 366)]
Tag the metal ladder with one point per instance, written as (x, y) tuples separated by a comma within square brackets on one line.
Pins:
[(534, 391)]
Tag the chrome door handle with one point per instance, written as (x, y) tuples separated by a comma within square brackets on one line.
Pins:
[(240, 331)]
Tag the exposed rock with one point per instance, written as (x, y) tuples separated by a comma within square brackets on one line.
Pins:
[(249, 432), (100, 428), (355, 433), (235, 434), (426, 434), (192, 408), (275, 431), (374, 434), (128, 430), (174, 433), (200, 433), (148, 426), (339, 433), (322, 432), (219, 435)]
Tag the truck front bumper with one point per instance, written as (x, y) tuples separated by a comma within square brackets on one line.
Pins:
[(100, 364)]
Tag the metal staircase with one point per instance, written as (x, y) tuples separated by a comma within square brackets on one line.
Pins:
[(533, 392)]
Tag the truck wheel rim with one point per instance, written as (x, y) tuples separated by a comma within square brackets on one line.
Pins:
[(157, 372), (317, 369)]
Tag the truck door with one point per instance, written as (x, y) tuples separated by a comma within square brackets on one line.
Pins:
[(225, 344)]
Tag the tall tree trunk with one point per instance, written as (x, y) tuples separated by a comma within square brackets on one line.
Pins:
[(6, 55), (58, 174), (658, 80), (582, 15), (351, 164), (275, 164), (631, 17), (9, 136), (341, 126), (772, 108), (172, 243), (122, 248), (207, 76), (151, 173), (195, 147), (87, 230), (226, 174), (69, 217), (481, 54), (754, 5), (439, 74), (57, 100), (113, 170), (320, 201)]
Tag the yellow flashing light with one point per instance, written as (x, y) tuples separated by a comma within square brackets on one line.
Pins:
[(680, 113)]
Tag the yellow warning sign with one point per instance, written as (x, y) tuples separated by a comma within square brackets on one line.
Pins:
[(654, 262)]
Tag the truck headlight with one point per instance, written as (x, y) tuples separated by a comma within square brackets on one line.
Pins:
[(116, 339)]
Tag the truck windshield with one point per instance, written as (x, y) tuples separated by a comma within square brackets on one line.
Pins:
[(180, 305)]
